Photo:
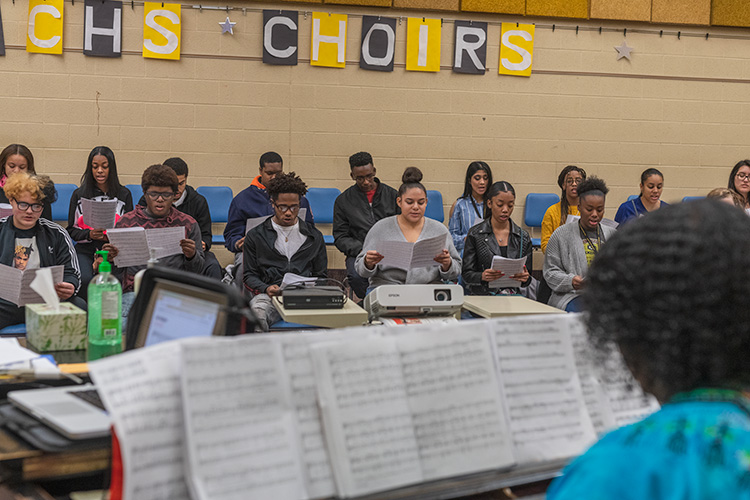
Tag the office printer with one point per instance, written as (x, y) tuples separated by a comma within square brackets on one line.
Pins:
[(414, 300)]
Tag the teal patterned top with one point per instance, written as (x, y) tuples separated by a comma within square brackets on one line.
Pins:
[(696, 447)]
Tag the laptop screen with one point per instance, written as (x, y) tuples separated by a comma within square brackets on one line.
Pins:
[(177, 311)]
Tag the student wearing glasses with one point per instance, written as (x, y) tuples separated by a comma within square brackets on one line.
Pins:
[(28, 241), (556, 215), (159, 185), (356, 210), (282, 244), (739, 182)]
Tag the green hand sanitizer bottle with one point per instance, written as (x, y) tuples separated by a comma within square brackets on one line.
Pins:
[(105, 312)]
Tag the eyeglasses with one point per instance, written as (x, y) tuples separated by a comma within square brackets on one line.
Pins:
[(743, 177), (285, 208), (572, 182), (35, 207), (155, 195), (364, 178)]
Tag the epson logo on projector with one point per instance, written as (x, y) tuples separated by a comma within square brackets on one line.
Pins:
[(394, 295)]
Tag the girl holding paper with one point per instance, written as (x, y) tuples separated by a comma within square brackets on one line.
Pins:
[(497, 235), (99, 182), (17, 158), (411, 226), (29, 241)]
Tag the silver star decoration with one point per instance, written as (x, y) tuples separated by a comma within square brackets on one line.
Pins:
[(623, 51), (227, 27)]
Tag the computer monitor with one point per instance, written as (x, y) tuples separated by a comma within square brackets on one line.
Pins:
[(173, 304)]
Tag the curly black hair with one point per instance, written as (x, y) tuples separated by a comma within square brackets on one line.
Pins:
[(592, 185), (286, 183), (671, 290), (159, 176), (360, 159)]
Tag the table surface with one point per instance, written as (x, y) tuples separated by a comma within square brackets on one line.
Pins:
[(488, 306), (350, 315)]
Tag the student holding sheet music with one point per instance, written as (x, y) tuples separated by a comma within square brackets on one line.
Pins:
[(159, 185), (572, 247), (99, 183), (17, 158), (281, 244), (28, 241), (384, 258), (496, 236), (687, 343)]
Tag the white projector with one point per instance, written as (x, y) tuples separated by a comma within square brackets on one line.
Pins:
[(414, 300)]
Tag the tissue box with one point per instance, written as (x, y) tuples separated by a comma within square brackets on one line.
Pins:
[(63, 329)]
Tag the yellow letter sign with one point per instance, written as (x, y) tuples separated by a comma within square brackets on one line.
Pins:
[(161, 30), (45, 29), (516, 49), (423, 44), (328, 45)]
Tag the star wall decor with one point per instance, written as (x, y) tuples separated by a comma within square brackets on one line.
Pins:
[(227, 26), (623, 51)]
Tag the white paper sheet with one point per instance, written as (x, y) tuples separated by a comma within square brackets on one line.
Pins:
[(405, 255), (509, 267), (548, 416), (99, 214), (295, 279), (6, 210), (254, 222), (15, 284), (133, 243), (165, 240), (242, 440), (141, 391)]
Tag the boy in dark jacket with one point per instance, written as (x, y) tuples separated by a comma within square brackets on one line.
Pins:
[(281, 244)]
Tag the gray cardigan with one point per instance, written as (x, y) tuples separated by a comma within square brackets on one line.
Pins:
[(564, 259), (388, 230)]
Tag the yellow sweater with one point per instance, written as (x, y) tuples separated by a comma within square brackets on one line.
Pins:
[(551, 221)]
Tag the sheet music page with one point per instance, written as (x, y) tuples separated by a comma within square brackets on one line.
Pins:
[(295, 279), (613, 397), (10, 283), (131, 244), (395, 253), (99, 214), (425, 251), (241, 437), (254, 221), (29, 296), (571, 219), (366, 415), (509, 267), (548, 417), (6, 210), (166, 240), (301, 380), (455, 401), (141, 391)]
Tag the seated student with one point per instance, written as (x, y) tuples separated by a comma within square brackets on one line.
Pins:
[(727, 196), (556, 215), (652, 184), (254, 202), (159, 185), (356, 210), (98, 182), (17, 158), (496, 235), (281, 244), (572, 247), (189, 201), (470, 208), (687, 344), (30, 242), (410, 225)]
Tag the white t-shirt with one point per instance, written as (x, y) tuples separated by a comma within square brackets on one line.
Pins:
[(289, 239)]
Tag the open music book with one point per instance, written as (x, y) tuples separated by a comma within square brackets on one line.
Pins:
[(357, 411)]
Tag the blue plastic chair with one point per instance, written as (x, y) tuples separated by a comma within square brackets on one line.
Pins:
[(14, 330), (137, 191), (536, 206), (219, 198), (693, 198), (321, 203), (633, 197), (435, 205), (61, 206)]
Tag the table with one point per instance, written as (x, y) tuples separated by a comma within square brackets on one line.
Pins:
[(489, 306), (350, 315)]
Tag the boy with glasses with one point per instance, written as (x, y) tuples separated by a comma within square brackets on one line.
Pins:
[(281, 244)]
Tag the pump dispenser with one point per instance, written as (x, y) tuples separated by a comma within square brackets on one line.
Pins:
[(105, 312)]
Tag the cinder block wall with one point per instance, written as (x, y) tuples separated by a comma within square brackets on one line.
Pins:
[(681, 105)]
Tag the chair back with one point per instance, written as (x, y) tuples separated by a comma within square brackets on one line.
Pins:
[(61, 206), (137, 191), (219, 198), (321, 203), (435, 208), (536, 206)]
